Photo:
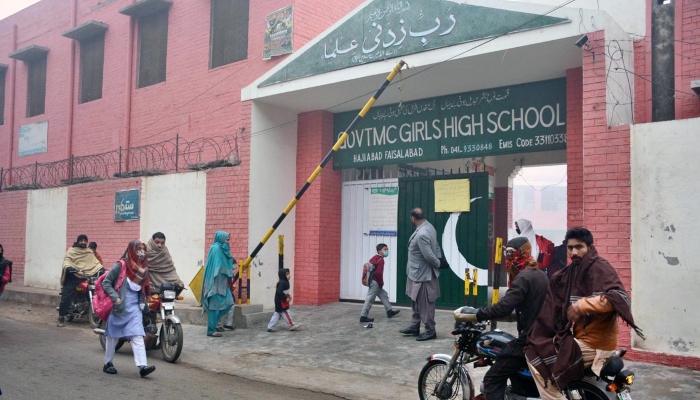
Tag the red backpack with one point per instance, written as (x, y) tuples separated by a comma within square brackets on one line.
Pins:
[(101, 302), (367, 271), (546, 252)]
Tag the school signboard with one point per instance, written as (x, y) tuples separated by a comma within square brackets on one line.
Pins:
[(511, 119)]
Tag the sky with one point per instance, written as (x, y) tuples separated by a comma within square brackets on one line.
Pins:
[(9, 7)]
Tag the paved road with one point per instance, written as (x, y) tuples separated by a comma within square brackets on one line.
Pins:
[(40, 361)]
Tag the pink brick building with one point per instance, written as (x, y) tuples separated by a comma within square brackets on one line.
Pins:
[(287, 112)]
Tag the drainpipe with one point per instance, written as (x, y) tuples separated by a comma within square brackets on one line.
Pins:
[(128, 89), (11, 119), (71, 82)]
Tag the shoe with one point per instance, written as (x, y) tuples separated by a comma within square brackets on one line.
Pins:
[(410, 331), (215, 334), (230, 327), (109, 368), (392, 313), (425, 337), (219, 329), (145, 370), (295, 327), (272, 330), (61, 322), (366, 319)]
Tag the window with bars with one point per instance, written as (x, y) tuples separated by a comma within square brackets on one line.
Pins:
[(229, 32), (92, 59), (153, 48), (3, 74), (36, 86)]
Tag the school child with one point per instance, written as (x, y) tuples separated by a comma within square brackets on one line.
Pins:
[(282, 300)]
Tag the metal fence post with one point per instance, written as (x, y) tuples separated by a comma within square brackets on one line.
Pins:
[(2, 177), (36, 170), (120, 161), (177, 152)]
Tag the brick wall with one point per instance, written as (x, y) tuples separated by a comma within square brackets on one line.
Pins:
[(13, 214), (574, 147), (91, 212), (317, 246), (642, 84), (688, 56)]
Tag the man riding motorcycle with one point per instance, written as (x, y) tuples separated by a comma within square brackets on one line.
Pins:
[(78, 263), (160, 264), (526, 295)]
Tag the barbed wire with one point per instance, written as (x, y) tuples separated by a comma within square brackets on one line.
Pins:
[(171, 155)]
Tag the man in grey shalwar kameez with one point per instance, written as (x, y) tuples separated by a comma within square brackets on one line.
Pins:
[(422, 284)]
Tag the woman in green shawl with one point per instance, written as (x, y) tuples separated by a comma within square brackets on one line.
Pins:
[(216, 297)]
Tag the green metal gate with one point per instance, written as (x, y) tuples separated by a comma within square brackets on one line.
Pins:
[(472, 235)]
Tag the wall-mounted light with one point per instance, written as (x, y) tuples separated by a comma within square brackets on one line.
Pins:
[(583, 41)]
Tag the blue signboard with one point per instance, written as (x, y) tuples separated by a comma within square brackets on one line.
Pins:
[(126, 205)]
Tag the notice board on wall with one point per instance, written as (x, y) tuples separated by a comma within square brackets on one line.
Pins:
[(383, 211)]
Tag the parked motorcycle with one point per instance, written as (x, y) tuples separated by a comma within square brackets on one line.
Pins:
[(447, 377), (81, 303), (169, 336)]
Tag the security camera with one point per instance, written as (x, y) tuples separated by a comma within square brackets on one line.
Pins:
[(582, 41)]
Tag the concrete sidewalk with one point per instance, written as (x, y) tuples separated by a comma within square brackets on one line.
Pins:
[(334, 353)]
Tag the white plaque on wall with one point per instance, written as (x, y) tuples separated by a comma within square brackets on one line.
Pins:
[(33, 138)]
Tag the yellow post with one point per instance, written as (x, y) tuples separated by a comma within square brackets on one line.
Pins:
[(467, 281), (498, 260), (476, 279)]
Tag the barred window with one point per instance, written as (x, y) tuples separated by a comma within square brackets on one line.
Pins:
[(229, 32), (92, 59), (36, 86), (153, 48)]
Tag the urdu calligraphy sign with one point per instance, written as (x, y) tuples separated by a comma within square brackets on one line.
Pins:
[(387, 29), (126, 205), (512, 119)]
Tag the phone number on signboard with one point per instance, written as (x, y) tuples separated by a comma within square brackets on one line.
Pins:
[(470, 148)]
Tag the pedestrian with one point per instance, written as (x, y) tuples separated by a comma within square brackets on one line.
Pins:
[(282, 300), (227, 323), (216, 296), (577, 327), (542, 248), (422, 271), (376, 285), (5, 271), (93, 247), (161, 267), (130, 292)]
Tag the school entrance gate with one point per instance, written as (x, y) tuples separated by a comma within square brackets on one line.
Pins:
[(463, 237)]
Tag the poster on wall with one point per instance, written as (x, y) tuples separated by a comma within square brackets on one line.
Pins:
[(383, 211), (279, 33), (33, 138), (452, 195), (126, 205)]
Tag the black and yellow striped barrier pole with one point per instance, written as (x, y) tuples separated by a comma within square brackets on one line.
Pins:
[(325, 161)]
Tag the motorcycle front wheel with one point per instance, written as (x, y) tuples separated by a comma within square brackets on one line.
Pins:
[(430, 378), (586, 390), (171, 340), (95, 321)]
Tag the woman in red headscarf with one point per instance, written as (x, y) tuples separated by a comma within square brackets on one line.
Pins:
[(128, 286)]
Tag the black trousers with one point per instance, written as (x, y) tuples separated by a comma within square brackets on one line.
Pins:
[(67, 293), (509, 361)]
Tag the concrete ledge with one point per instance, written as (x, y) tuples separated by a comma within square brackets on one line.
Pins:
[(244, 316)]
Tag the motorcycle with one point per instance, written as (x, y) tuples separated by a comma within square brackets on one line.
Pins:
[(447, 377), (161, 309), (81, 303)]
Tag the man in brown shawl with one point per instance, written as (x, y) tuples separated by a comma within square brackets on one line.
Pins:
[(78, 263), (577, 326), (160, 264)]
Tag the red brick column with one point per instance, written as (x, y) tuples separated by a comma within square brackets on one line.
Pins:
[(13, 214), (606, 172), (316, 267), (503, 212), (574, 147)]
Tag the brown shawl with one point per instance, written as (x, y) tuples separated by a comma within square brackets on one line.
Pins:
[(551, 347), (161, 265)]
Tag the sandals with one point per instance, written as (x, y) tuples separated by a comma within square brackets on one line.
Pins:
[(215, 334)]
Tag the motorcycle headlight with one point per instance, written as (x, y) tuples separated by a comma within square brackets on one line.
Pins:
[(169, 294)]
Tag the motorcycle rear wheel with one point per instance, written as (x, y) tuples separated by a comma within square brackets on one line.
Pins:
[(430, 377), (587, 390), (171, 340)]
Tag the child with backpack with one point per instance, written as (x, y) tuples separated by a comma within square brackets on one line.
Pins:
[(282, 300), (374, 279)]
